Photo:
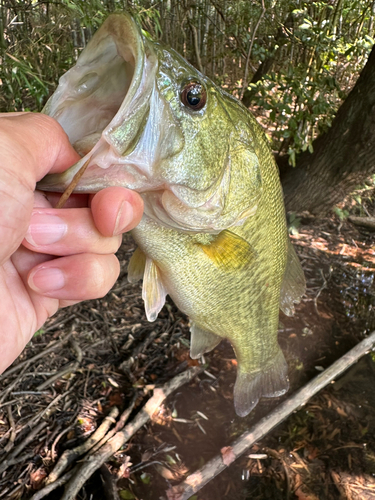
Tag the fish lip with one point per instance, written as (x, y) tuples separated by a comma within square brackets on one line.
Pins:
[(120, 47)]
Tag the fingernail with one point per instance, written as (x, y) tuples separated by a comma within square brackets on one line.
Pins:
[(45, 230), (47, 279), (124, 218)]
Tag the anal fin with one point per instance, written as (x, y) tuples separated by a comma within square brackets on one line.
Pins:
[(202, 341), (136, 267), (271, 381), (293, 285), (153, 290)]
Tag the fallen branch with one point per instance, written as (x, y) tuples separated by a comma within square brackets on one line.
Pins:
[(201, 477), (120, 424), (51, 487), (368, 222), (109, 483), (94, 462), (69, 456)]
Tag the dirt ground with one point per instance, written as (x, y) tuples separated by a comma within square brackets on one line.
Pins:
[(103, 354)]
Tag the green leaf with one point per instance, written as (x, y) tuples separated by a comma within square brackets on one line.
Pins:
[(170, 460), (126, 495), (292, 157), (145, 478), (38, 333)]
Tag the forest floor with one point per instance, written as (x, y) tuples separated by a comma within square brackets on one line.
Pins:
[(100, 354)]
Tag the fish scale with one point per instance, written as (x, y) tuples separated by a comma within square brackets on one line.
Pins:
[(214, 234)]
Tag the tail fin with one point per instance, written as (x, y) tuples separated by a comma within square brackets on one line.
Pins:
[(269, 382)]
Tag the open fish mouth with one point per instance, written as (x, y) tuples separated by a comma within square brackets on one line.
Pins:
[(102, 103), (118, 115)]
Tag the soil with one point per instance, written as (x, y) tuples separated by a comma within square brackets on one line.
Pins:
[(104, 353)]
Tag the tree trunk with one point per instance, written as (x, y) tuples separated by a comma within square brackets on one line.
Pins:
[(343, 157)]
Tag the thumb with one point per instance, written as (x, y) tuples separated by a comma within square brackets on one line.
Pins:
[(31, 145)]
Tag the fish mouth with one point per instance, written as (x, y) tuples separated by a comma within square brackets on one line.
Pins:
[(102, 102)]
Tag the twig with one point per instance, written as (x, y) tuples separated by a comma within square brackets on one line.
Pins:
[(58, 437), (21, 459), (69, 190), (68, 368), (321, 289), (120, 424), (17, 450), (13, 384), (109, 483), (43, 353), (244, 86), (196, 44), (126, 365), (40, 415), (77, 349), (48, 489), (31, 393), (12, 426), (201, 477), (70, 455), (94, 462)]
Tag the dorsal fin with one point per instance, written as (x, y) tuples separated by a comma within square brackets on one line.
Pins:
[(293, 285)]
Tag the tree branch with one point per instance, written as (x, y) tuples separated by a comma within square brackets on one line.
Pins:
[(201, 477)]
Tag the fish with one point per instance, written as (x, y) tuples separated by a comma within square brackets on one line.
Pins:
[(214, 234)]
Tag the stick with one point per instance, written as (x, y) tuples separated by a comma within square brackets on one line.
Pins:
[(69, 190), (120, 424), (12, 427), (244, 86), (368, 222), (43, 353), (70, 456), (109, 484), (47, 489), (95, 461), (17, 450), (201, 477)]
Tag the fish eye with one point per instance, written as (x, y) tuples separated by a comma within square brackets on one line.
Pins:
[(193, 95)]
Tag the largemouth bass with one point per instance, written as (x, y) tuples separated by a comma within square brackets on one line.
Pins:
[(214, 234)]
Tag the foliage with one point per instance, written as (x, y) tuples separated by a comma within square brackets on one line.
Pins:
[(296, 59)]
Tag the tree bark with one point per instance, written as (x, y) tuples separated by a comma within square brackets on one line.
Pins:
[(342, 158)]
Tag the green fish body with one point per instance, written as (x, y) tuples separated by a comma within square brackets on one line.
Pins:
[(214, 233)]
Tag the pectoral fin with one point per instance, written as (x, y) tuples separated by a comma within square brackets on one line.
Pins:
[(270, 381), (293, 285), (153, 291), (136, 267), (229, 251), (201, 341)]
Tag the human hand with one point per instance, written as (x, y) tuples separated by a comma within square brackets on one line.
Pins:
[(50, 258)]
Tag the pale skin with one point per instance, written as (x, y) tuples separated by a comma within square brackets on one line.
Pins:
[(50, 258)]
